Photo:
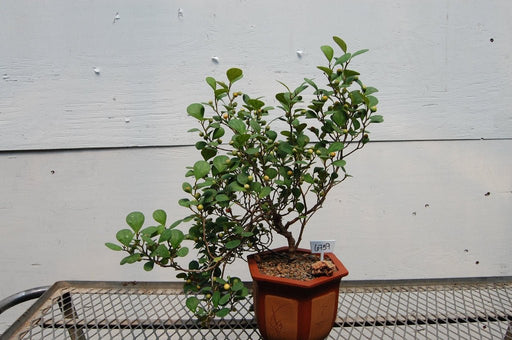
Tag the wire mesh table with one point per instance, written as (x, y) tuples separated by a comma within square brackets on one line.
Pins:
[(412, 309)]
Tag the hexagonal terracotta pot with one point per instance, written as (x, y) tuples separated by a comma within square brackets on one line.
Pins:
[(296, 310)]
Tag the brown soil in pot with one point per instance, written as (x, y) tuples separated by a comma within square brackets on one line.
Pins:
[(298, 266)]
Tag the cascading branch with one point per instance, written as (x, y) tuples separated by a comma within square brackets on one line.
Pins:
[(271, 176)]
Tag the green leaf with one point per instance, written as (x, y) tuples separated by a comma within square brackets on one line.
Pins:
[(208, 153), (222, 198), (357, 97), (196, 110), (308, 179), (135, 220), (339, 118), (336, 146), (270, 172), (328, 52), (238, 125), (244, 292), (370, 90), (193, 265), (165, 236), (148, 266), (242, 178), (162, 251), (360, 52), (201, 169), (149, 231), (182, 252), (327, 70), (340, 43), (215, 298), (255, 125), (284, 99), (311, 82), (125, 236), (265, 191), (186, 187), (220, 93), (192, 303), (238, 285), (184, 202), (130, 259), (241, 139), (222, 312), (221, 162), (219, 132), (233, 186), (272, 135), (211, 81), (174, 224), (200, 145), (234, 74), (232, 244), (285, 147), (189, 218), (224, 299), (376, 119), (343, 59), (340, 162), (372, 101), (350, 73), (225, 87), (160, 216), (113, 246), (252, 151), (176, 238)]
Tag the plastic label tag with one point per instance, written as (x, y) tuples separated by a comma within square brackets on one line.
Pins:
[(322, 247)]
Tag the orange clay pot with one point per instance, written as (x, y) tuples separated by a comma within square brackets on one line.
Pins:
[(289, 309)]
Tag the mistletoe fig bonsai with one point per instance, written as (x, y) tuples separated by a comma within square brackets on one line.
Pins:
[(263, 172)]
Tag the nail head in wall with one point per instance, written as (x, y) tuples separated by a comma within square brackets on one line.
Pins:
[(427, 205), (52, 172), (215, 59), (180, 13), (116, 17), (96, 71), (414, 213), (5, 76), (127, 120), (299, 53)]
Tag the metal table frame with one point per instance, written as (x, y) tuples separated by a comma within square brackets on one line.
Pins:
[(469, 308)]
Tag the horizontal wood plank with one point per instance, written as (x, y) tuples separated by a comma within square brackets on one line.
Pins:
[(412, 210), (440, 76)]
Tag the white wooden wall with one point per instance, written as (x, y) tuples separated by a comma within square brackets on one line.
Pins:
[(431, 197)]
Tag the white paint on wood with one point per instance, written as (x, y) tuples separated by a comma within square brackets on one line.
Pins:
[(79, 74), (411, 210), (439, 74)]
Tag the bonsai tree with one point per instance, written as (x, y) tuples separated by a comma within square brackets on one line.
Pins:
[(262, 172)]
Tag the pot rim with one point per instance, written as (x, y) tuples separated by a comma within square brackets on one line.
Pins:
[(259, 276)]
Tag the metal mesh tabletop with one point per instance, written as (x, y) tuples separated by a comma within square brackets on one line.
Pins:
[(415, 309)]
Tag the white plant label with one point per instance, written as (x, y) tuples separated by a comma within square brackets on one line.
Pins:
[(322, 247)]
